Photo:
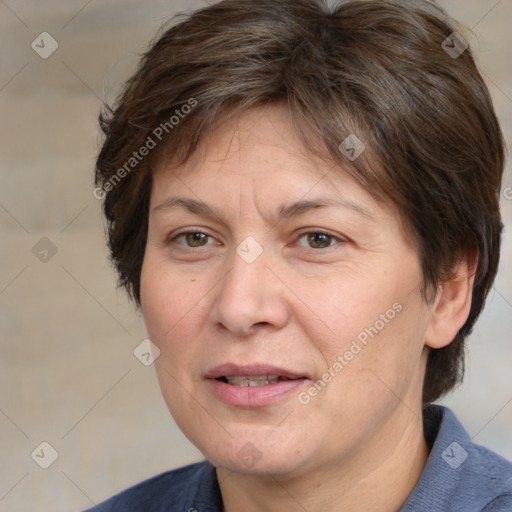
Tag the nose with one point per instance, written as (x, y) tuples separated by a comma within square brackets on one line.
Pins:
[(251, 296)]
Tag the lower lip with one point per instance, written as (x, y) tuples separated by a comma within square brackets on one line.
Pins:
[(254, 396)]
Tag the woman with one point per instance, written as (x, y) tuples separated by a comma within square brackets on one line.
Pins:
[(304, 204)]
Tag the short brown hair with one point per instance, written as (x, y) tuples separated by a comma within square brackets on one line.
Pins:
[(378, 69)]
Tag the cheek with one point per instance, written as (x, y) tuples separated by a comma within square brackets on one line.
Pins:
[(391, 358), (346, 310), (377, 329), (170, 311), (170, 306)]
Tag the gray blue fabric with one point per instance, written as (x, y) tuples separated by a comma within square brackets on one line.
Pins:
[(460, 476)]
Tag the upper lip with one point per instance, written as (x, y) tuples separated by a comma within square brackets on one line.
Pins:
[(250, 370)]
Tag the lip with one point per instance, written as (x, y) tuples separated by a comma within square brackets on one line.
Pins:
[(250, 370), (253, 396)]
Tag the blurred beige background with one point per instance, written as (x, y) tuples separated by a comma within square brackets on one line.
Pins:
[(68, 375)]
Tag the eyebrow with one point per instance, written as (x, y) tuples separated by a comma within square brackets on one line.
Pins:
[(285, 211)]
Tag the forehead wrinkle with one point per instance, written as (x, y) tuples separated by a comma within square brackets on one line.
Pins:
[(244, 204)]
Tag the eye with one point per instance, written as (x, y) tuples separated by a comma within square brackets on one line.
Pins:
[(318, 239), (192, 238)]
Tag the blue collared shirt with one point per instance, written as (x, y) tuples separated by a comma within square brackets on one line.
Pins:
[(459, 476)]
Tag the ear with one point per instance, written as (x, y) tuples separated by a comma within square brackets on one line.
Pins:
[(452, 304)]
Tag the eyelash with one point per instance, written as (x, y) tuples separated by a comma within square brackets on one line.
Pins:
[(173, 237)]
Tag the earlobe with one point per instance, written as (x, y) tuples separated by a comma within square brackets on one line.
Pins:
[(452, 304)]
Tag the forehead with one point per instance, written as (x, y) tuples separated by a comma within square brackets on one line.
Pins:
[(256, 157), (254, 167), (262, 135)]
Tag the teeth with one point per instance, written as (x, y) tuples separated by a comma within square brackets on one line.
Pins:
[(262, 380)]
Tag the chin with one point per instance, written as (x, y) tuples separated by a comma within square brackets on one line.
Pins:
[(275, 465), (256, 455)]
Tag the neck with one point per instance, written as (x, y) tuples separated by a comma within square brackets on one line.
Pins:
[(378, 478)]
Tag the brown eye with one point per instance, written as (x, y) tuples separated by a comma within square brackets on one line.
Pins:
[(196, 239), (192, 239), (318, 240)]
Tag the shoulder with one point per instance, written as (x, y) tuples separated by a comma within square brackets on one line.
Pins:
[(502, 503), (488, 475), (459, 475), (494, 474), (181, 489)]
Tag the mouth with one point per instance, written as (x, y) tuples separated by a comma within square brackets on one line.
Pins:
[(250, 386), (247, 375), (252, 381)]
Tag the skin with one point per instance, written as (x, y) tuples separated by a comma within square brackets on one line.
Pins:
[(358, 444)]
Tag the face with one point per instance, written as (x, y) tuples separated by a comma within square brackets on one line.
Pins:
[(285, 302)]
